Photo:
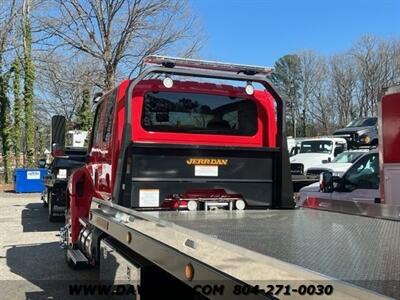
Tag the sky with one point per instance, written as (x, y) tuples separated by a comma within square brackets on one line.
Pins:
[(261, 31)]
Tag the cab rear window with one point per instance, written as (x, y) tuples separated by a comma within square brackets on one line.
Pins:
[(199, 113)]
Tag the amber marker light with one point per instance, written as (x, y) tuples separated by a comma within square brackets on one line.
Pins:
[(129, 237), (189, 272)]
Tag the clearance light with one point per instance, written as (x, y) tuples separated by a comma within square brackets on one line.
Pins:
[(249, 89), (128, 237), (168, 82)]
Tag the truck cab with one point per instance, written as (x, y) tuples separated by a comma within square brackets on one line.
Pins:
[(315, 151), (174, 139), (166, 122)]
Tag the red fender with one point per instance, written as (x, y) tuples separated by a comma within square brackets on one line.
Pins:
[(81, 192)]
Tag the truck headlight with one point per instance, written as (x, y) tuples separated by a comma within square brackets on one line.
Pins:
[(365, 139)]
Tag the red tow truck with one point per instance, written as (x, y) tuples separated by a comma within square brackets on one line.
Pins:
[(187, 194)]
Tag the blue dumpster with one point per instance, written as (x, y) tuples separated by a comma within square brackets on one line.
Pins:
[(29, 180)]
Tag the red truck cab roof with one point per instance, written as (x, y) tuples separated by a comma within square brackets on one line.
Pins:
[(186, 112)]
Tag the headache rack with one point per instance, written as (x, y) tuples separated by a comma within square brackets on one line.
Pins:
[(170, 66)]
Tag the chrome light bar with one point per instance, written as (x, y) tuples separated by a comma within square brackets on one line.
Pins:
[(171, 62)]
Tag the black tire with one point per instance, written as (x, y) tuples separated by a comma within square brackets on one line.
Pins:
[(52, 218)]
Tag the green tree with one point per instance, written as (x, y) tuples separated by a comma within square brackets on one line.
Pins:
[(5, 123), (84, 115), (287, 78), (18, 110), (29, 78)]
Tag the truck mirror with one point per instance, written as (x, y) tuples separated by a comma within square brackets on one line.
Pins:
[(326, 182), (96, 97), (57, 134)]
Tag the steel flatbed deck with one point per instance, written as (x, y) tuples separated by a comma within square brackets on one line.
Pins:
[(358, 255), (356, 249)]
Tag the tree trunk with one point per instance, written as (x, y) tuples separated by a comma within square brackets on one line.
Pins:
[(17, 134), (109, 80), (29, 79), (5, 125)]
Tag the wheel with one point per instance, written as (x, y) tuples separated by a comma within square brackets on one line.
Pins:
[(50, 203), (240, 204), (192, 205)]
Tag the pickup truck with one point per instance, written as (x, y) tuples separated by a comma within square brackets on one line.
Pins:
[(359, 183), (312, 152), (339, 165), (315, 151), (360, 132)]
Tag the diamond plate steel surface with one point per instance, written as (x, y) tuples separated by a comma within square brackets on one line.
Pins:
[(360, 250)]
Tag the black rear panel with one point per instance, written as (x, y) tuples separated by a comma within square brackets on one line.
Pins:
[(171, 169)]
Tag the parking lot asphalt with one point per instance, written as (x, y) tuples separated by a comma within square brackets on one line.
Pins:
[(32, 265)]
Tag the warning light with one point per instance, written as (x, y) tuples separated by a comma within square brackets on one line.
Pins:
[(172, 62)]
